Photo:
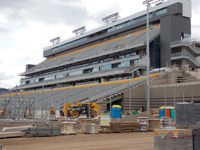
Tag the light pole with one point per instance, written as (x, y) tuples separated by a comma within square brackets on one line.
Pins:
[(148, 4)]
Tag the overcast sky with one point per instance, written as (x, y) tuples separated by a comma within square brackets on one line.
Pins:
[(26, 26)]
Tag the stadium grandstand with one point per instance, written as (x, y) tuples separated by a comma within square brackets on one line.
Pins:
[(107, 62)]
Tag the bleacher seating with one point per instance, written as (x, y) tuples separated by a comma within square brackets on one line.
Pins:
[(90, 92), (97, 49)]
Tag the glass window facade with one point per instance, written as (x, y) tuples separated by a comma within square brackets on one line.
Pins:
[(41, 79), (76, 73), (28, 82), (106, 67), (22, 82), (137, 62), (36, 80), (70, 43), (59, 76), (96, 69), (49, 78), (89, 70), (125, 64), (161, 12), (116, 65), (32, 81), (130, 22)]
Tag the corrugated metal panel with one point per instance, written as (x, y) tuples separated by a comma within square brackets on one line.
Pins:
[(177, 139)]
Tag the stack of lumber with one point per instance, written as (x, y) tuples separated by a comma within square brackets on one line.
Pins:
[(123, 126)]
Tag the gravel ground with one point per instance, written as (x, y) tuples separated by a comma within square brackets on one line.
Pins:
[(118, 141)]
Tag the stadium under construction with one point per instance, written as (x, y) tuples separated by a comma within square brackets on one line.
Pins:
[(108, 65)]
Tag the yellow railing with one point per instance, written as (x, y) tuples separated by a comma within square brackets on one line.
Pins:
[(153, 76)]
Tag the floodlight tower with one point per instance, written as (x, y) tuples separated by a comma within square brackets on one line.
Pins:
[(111, 18), (79, 31), (148, 4)]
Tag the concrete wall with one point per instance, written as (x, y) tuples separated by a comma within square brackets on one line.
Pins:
[(167, 94), (171, 29), (161, 96)]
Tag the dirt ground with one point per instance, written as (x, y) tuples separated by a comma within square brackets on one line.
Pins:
[(114, 141)]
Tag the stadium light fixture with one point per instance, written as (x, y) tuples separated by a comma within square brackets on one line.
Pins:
[(79, 31), (148, 3), (55, 40), (111, 18)]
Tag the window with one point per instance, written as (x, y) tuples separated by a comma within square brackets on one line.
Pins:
[(89, 70), (23, 82), (48, 78), (36, 80), (32, 81), (41, 79), (120, 26), (106, 67), (76, 73), (59, 76), (137, 62), (70, 43), (96, 69), (130, 22), (161, 12), (115, 65), (140, 19), (125, 64), (28, 82)]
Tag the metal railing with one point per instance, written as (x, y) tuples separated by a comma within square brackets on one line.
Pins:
[(188, 41), (174, 80), (186, 54), (117, 90), (191, 44)]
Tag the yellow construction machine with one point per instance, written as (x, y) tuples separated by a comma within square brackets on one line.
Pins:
[(75, 110)]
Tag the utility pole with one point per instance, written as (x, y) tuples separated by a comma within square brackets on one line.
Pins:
[(148, 4), (130, 107), (42, 113)]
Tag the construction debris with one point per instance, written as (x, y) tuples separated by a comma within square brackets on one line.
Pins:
[(43, 131), (143, 123), (119, 127), (177, 139), (69, 128), (154, 124), (89, 128), (11, 134), (16, 129)]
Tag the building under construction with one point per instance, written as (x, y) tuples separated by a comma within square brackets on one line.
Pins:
[(108, 65)]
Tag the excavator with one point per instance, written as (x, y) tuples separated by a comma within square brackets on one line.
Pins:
[(76, 109)]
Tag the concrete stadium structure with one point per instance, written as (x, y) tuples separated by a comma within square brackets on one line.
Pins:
[(107, 65)]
